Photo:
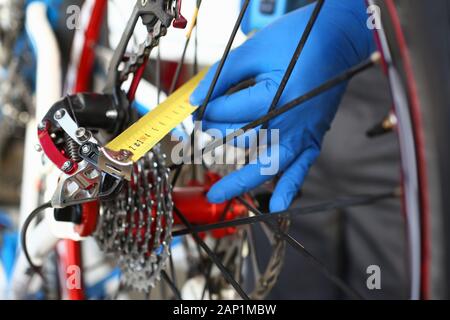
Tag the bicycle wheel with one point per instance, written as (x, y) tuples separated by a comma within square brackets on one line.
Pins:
[(417, 35), (419, 96)]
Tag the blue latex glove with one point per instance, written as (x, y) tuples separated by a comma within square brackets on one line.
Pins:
[(339, 40)]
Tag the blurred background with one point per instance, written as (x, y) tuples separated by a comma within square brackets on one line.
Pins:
[(19, 47)]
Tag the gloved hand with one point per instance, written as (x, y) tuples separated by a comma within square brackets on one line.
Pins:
[(339, 40)]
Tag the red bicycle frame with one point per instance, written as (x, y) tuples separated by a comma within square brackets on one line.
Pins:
[(69, 251)]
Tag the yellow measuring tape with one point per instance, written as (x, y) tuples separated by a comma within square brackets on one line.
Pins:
[(143, 135)]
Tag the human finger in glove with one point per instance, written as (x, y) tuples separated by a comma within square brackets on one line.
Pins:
[(339, 40)]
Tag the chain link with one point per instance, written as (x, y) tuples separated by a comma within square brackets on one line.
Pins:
[(131, 62), (270, 276)]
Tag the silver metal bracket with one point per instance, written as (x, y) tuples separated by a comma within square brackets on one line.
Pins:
[(116, 163), (80, 187)]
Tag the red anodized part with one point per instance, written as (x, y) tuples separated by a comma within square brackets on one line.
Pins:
[(87, 58), (88, 219), (70, 262), (193, 203), (180, 22), (52, 152)]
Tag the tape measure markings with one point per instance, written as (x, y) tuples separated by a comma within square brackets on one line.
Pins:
[(145, 133)]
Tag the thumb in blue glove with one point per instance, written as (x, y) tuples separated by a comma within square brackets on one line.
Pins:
[(339, 40)]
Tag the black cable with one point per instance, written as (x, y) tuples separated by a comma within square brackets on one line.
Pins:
[(180, 64), (23, 236), (175, 80)]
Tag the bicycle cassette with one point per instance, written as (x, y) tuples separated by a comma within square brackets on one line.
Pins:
[(136, 227)]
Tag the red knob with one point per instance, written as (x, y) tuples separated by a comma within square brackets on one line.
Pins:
[(180, 22)]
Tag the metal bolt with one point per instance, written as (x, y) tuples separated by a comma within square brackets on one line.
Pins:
[(67, 166), (82, 134), (124, 155), (59, 114), (112, 114), (85, 149), (42, 125), (38, 148), (144, 2)]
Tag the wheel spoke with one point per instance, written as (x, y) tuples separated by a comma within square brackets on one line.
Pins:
[(339, 203), (158, 75), (345, 76), (171, 285), (352, 293), (176, 175), (202, 108), (208, 273), (240, 260), (273, 112), (216, 247), (213, 256), (296, 55), (180, 64), (253, 254), (172, 268), (268, 234)]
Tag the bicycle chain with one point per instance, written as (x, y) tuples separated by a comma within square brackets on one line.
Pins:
[(270, 276), (131, 62), (229, 247), (137, 226)]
